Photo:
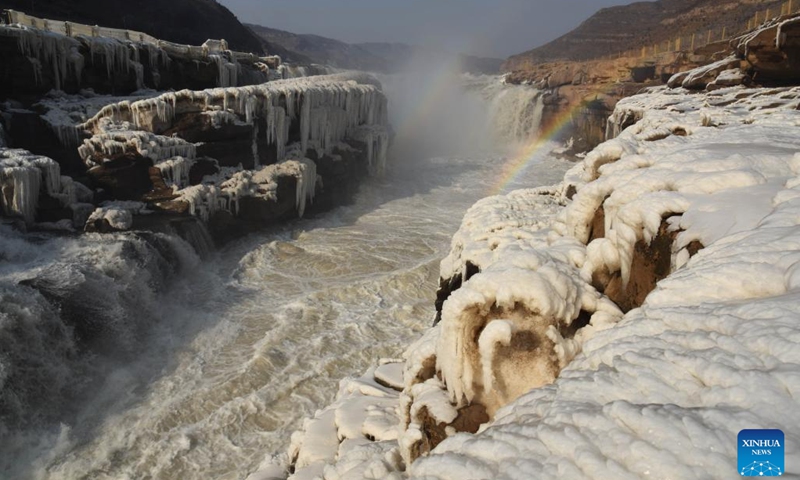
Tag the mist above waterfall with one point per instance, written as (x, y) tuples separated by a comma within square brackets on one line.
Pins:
[(431, 111), (436, 110)]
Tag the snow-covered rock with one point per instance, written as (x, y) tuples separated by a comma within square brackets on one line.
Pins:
[(702, 76), (355, 437), (114, 216)]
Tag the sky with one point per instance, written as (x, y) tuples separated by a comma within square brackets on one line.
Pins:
[(496, 28)]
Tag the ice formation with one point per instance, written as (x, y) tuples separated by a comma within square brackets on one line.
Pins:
[(326, 110), (330, 109), (175, 171), (118, 141), (57, 48), (65, 113), (376, 138), (664, 390), (224, 191), (228, 73), (58, 52), (22, 176)]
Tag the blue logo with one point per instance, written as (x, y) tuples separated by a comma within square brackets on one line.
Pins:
[(761, 453)]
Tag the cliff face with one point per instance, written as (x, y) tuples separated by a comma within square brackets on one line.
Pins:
[(39, 61), (619, 29), (189, 22)]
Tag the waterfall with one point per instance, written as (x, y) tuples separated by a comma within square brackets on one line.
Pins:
[(70, 305), (515, 111)]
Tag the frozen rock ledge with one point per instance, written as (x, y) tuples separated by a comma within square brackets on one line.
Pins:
[(237, 158)]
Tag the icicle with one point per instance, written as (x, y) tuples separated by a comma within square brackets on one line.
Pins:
[(282, 132), (138, 68), (306, 185), (156, 147), (175, 171), (256, 161), (203, 200), (227, 72), (305, 121), (330, 109), (21, 176), (57, 51)]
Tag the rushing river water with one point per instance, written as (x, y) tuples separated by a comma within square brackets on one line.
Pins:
[(237, 348)]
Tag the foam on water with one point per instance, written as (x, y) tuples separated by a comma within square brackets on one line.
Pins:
[(257, 337)]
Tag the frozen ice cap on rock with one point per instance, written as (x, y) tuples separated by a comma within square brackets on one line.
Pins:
[(509, 330), (115, 216)]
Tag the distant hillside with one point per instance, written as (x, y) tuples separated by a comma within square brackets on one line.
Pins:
[(181, 21), (377, 57), (617, 29), (320, 50)]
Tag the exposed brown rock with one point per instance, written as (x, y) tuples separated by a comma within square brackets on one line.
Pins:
[(774, 57), (694, 247), (651, 263), (469, 420), (571, 191), (597, 229)]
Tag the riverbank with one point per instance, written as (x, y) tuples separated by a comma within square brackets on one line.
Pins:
[(647, 292)]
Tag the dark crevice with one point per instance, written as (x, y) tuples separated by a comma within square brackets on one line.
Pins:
[(450, 285)]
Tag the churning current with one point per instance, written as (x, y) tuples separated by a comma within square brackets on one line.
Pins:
[(203, 367)]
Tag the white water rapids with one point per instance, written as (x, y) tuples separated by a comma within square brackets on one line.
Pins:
[(227, 356)]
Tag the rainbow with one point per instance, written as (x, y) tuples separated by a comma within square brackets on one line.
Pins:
[(522, 156), (530, 152)]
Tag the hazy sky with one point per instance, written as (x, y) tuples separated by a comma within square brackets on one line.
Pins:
[(484, 27)]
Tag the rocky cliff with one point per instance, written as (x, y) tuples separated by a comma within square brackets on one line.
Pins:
[(619, 29), (181, 21), (236, 158), (39, 60), (587, 90), (231, 148)]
